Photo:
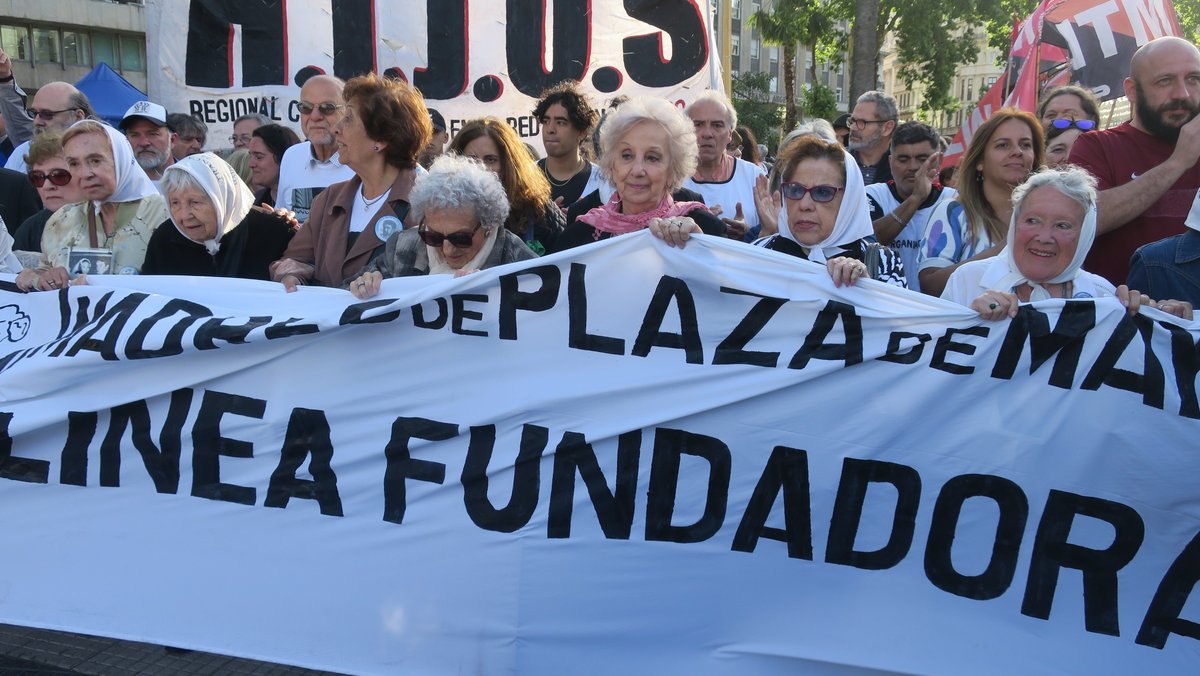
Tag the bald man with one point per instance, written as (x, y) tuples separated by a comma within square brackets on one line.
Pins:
[(1148, 169), (308, 168), (56, 106)]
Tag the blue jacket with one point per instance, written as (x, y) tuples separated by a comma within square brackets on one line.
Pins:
[(1168, 268)]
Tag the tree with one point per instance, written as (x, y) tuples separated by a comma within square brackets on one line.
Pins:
[(820, 101), (794, 22), (752, 100)]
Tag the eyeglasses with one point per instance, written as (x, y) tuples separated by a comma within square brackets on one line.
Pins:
[(46, 114), (862, 124), (59, 177), (1067, 123), (819, 193), (245, 138), (459, 240), (326, 109)]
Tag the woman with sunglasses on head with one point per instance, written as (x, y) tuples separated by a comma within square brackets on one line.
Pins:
[(825, 218), (460, 209), (1060, 136), (53, 181), (534, 217), (121, 208), (1069, 102), (974, 225), (385, 125)]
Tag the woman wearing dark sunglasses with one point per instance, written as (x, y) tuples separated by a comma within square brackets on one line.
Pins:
[(460, 209), (825, 218), (53, 181)]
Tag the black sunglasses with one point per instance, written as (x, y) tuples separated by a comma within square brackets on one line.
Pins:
[(59, 177), (459, 240), (819, 193), (326, 109), (1067, 123)]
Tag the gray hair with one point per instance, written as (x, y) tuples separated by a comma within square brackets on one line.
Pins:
[(182, 122), (257, 117), (721, 100), (177, 181), (1071, 181), (456, 182), (820, 128), (885, 106), (681, 135)]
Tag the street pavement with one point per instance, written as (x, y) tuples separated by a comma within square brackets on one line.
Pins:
[(40, 652)]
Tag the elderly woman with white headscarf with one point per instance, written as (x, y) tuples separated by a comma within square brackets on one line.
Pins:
[(460, 209), (121, 208), (825, 218), (214, 229), (1052, 230)]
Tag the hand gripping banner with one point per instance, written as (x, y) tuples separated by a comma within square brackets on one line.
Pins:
[(625, 458)]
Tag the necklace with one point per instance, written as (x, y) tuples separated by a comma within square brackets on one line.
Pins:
[(370, 204), (559, 184)]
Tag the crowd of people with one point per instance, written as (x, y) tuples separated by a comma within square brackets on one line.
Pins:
[(1042, 204)]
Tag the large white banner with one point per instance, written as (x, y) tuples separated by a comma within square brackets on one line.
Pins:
[(219, 59), (624, 458)]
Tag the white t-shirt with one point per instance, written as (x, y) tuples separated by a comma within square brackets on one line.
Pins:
[(882, 199), (16, 161), (363, 211), (302, 177), (727, 194)]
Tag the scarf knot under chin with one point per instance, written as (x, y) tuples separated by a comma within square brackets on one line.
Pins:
[(609, 218)]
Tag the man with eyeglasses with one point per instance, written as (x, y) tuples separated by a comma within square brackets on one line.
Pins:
[(1148, 169), (308, 168), (56, 106), (243, 129), (872, 123), (145, 125), (901, 206)]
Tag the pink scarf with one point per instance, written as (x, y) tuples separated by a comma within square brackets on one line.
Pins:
[(609, 218)]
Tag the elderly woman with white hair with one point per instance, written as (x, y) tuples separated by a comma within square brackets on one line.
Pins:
[(648, 150), (1053, 227), (460, 209), (214, 229)]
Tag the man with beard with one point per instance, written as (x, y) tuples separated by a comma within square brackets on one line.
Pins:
[(145, 125), (308, 168), (1148, 169), (872, 123), (900, 207)]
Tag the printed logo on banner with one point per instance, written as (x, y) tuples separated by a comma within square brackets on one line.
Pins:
[(14, 324)]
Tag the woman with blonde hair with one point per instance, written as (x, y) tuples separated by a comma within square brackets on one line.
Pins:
[(974, 225), (535, 217)]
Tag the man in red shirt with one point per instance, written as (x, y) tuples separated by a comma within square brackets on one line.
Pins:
[(1148, 169)]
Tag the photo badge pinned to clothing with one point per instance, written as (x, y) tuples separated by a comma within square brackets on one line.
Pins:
[(387, 226)]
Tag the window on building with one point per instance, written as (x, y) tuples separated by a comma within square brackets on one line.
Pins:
[(735, 45), (133, 53), (755, 49), (104, 48), (75, 49), (736, 9), (839, 94), (774, 83), (45, 46), (16, 42)]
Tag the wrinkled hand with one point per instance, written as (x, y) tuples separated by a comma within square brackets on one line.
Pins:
[(289, 216), (996, 305), (367, 285), (290, 266), (5, 65), (674, 231), (1178, 308), (846, 271), (53, 279), (735, 228), (768, 205), (1133, 300)]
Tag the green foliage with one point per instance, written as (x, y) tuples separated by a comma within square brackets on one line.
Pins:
[(820, 101), (752, 100), (1188, 12), (800, 22)]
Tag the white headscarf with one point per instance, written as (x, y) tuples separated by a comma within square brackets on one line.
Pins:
[(132, 182), (853, 219), (1193, 217), (230, 197), (1014, 278)]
